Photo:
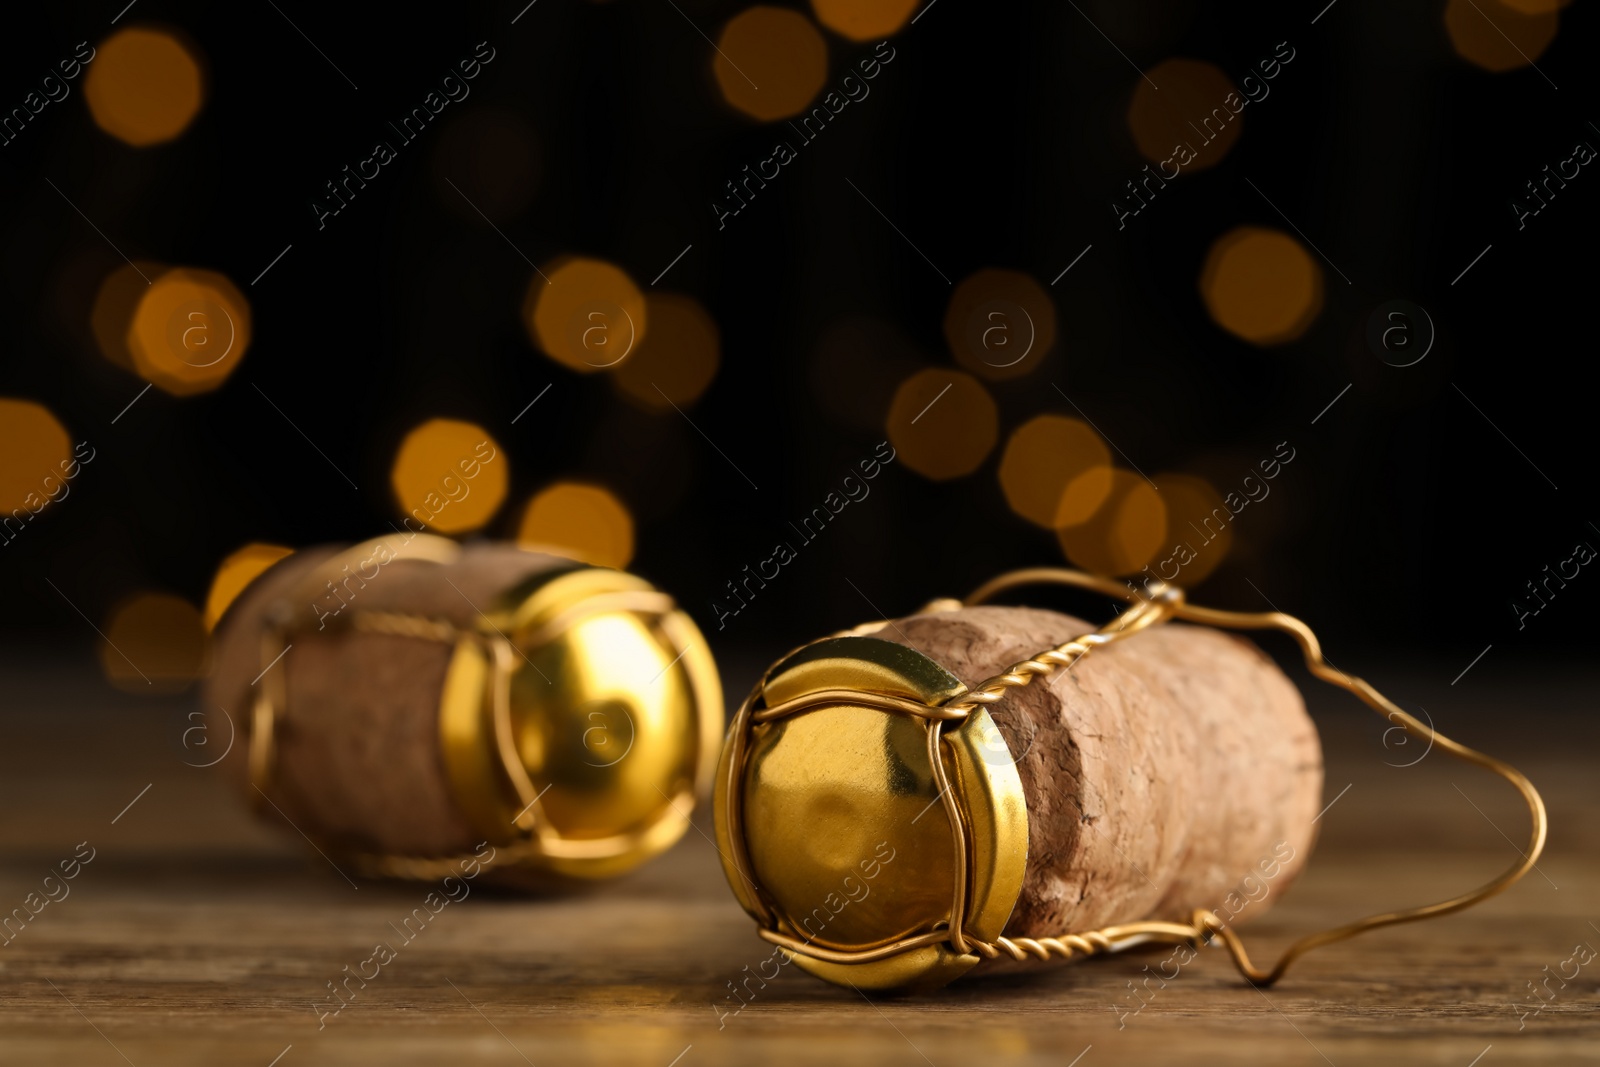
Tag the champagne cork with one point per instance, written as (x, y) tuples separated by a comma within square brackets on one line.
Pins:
[(1170, 770), (409, 700)]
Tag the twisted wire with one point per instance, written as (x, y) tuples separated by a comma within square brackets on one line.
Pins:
[(1165, 600), (401, 624)]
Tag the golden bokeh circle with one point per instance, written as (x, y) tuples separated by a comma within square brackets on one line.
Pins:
[(1046, 457), (585, 314), (1124, 534), (942, 423), (677, 361), (35, 459), (1000, 323), (144, 86), (864, 20), (770, 62), (1199, 530), (189, 331), (449, 475), (1188, 109), (1501, 35), (582, 521), (235, 573), (154, 643), (1261, 285), (114, 303)]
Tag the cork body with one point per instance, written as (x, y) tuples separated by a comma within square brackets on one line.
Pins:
[(1172, 770), (358, 750)]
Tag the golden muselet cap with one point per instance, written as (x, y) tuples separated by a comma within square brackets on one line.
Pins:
[(845, 823)]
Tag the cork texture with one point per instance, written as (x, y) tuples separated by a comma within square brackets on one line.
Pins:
[(359, 760), (1168, 771)]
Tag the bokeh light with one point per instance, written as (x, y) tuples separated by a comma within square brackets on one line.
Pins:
[(1187, 110), (581, 521), (1199, 529), (236, 572), (770, 62), (449, 475), (942, 423), (190, 329), (1055, 471), (675, 363), (1261, 285), (1000, 323), (864, 20), (35, 461), (154, 643), (1501, 35), (491, 156), (114, 303), (144, 86), (1124, 534), (585, 314)]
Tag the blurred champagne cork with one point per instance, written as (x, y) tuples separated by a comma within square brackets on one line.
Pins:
[(406, 700), (1172, 770)]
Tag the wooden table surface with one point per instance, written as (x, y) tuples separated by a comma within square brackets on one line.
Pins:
[(198, 936)]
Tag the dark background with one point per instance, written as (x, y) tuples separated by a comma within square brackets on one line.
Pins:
[(1406, 524)]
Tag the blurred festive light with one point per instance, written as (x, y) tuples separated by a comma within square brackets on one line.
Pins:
[(585, 522), (1124, 534), (114, 303), (1261, 285), (190, 329), (585, 314), (236, 572), (1501, 35), (1055, 471), (864, 20), (144, 86), (1199, 529), (679, 358), (999, 323), (35, 461), (857, 364), (491, 156), (1188, 111), (942, 423), (154, 642), (450, 476), (770, 62)]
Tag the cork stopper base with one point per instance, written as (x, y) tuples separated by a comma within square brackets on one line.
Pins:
[(1172, 770), (359, 758)]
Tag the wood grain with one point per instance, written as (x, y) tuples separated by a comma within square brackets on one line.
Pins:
[(196, 936)]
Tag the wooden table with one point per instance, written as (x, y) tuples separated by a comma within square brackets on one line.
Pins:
[(197, 936)]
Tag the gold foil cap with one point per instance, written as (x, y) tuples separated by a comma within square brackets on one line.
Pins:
[(842, 837), (589, 726)]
